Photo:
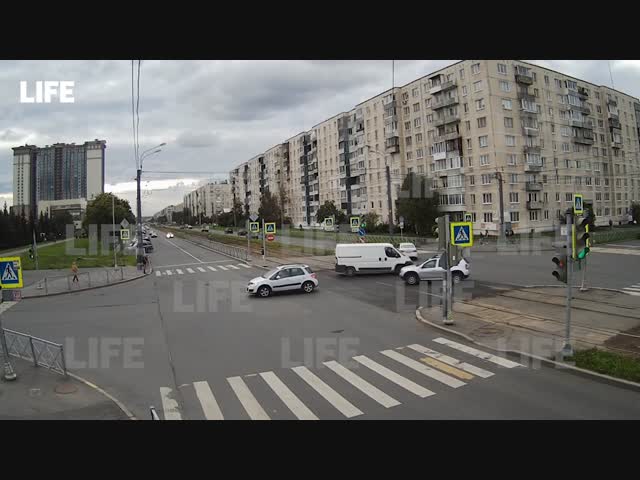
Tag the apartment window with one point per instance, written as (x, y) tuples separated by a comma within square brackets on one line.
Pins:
[(468, 144), (557, 197), (470, 162), (567, 179), (418, 138), (510, 140), (536, 93), (407, 126), (484, 159), (514, 217), (486, 179), (420, 168), (480, 104), (508, 122), (598, 196), (473, 198), (482, 122), (416, 107), (464, 90), (466, 107), (483, 140), (548, 96), (546, 214), (475, 68), (606, 196), (407, 141), (462, 74), (514, 178), (606, 211), (417, 122), (407, 110), (502, 68), (486, 198), (511, 159), (419, 153), (415, 92), (557, 82), (409, 155), (598, 109), (488, 217), (565, 147), (506, 104), (468, 125), (568, 197), (604, 152), (477, 86), (430, 118), (427, 102)]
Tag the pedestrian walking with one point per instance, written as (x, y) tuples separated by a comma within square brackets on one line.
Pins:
[(74, 270), (610, 224), (145, 264)]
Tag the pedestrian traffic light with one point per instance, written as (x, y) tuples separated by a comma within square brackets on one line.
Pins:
[(581, 243), (561, 261)]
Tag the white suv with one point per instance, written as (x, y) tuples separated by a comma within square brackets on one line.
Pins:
[(433, 269), (284, 277)]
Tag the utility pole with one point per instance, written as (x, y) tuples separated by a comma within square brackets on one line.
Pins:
[(248, 240), (447, 294), (388, 170), (567, 349), (500, 193), (35, 249), (264, 243), (140, 249), (113, 220)]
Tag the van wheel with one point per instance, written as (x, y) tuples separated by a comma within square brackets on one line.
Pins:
[(350, 271), (457, 277), (411, 279)]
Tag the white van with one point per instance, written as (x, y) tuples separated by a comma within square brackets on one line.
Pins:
[(352, 258)]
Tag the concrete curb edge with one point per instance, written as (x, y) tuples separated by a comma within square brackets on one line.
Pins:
[(606, 378), (88, 288), (563, 286), (120, 405)]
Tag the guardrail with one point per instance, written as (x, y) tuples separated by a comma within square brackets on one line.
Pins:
[(56, 283), (42, 353)]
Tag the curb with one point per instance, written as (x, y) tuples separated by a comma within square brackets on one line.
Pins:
[(86, 289), (627, 384), (564, 286), (120, 405)]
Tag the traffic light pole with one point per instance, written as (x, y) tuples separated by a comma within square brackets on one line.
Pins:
[(567, 349), (446, 293)]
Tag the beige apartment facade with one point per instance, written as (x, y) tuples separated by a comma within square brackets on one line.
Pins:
[(469, 126), (210, 199)]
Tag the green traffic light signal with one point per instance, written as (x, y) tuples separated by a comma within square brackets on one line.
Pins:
[(581, 244)]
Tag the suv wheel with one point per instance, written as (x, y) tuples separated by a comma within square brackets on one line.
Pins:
[(264, 291), (350, 271), (308, 287), (411, 278), (457, 277)]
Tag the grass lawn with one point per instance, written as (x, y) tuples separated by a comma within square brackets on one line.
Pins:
[(57, 257), (609, 363)]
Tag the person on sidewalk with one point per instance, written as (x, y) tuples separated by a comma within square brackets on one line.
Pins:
[(74, 270), (610, 224), (145, 264)]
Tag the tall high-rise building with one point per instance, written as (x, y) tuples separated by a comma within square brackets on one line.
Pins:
[(210, 199), (56, 174)]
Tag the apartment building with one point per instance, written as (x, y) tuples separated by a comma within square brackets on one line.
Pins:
[(210, 199), (467, 127), (59, 172)]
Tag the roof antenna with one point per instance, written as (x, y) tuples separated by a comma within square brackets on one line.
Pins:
[(611, 74)]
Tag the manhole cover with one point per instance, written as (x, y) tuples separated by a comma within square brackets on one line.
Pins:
[(65, 388), (488, 331)]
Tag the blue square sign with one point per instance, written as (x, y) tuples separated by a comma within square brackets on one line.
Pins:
[(462, 234), (10, 272)]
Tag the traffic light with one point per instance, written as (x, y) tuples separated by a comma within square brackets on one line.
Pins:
[(562, 263), (31, 253), (581, 241)]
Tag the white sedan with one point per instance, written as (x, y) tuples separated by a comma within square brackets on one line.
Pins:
[(409, 249), (169, 235)]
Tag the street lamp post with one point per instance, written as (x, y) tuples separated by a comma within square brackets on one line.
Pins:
[(140, 247)]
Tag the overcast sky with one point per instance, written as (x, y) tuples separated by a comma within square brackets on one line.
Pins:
[(212, 114)]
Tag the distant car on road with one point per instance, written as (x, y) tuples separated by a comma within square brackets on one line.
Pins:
[(282, 278), (228, 230), (433, 269), (205, 228), (169, 235), (409, 249), (154, 235), (242, 233)]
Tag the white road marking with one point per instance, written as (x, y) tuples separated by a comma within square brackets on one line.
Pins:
[(184, 251), (394, 377), (212, 269), (244, 265), (191, 264), (169, 272), (207, 401), (294, 404), (635, 294), (633, 289), (248, 401), (424, 369), (478, 353), (222, 268), (233, 266), (480, 372), (202, 269), (169, 405), (158, 273), (362, 385), (180, 272), (329, 394), (191, 270)]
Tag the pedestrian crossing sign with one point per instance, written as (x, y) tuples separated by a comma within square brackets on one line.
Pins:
[(10, 272), (270, 228), (254, 227), (577, 204), (355, 223), (124, 234), (462, 234)]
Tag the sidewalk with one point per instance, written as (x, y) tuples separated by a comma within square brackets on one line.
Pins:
[(317, 262), (532, 320), (59, 281), (38, 394)]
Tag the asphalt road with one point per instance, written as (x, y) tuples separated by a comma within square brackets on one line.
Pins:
[(195, 346)]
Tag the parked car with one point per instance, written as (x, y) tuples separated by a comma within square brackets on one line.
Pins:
[(242, 233), (205, 228), (282, 278), (228, 230), (352, 258), (409, 249), (154, 235), (433, 269)]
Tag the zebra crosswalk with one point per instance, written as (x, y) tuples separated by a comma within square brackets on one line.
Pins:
[(633, 290), (350, 392), (160, 272)]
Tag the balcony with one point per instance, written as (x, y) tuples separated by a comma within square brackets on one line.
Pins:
[(616, 145), (524, 78), (446, 137), (614, 122), (444, 86), (439, 155), (582, 93), (532, 149), (576, 123), (581, 108), (452, 208), (531, 131), (446, 119), (435, 89), (532, 167), (533, 186), (444, 102), (583, 140), (533, 205)]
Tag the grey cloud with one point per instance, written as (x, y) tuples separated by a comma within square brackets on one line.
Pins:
[(197, 139)]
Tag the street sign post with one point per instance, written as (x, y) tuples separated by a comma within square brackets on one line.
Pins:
[(355, 224), (253, 217), (578, 205), (271, 237), (10, 273), (461, 234), (254, 227), (270, 228), (328, 224), (124, 223)]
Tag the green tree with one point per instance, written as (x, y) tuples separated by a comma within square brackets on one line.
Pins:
[(177, 217), (59, 222), (329, 209), (99, 212), (269, 209), (418, 204), (635, 211), (283, 199), (371, 219)]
